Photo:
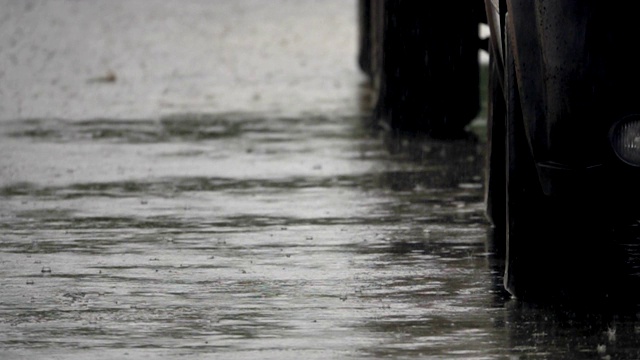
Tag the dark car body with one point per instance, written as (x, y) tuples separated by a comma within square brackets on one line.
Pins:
[(566, 102), (577, 75)]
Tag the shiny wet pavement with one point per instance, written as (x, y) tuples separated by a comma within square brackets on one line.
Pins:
[(201, 180)]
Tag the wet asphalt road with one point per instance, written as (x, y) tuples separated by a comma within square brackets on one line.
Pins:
[(200, 179)]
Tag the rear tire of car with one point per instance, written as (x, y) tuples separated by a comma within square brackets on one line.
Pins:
[(365, 37), (428, 76)]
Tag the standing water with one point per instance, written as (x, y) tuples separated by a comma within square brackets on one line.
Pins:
[(200, 179)]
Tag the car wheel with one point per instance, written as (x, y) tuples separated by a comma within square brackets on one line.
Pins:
[(523, 195), (556, 247), (364, 37), (428, 79)]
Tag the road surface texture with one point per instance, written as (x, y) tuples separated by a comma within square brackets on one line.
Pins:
[(200, 179)]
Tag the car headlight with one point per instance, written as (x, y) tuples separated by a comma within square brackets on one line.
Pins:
[(625, 139)]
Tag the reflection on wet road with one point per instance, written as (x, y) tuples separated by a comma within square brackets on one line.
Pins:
[(296, 233), (246, 235)]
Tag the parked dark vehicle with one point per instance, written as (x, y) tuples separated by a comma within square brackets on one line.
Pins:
[(422, 59), (563, 157), (564, 142)]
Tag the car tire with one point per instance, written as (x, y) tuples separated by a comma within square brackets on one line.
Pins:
[(556, 247), (365, 37), (524, 212), (428, 80)]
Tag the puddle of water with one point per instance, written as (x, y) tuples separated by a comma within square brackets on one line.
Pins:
[(318, 241)]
